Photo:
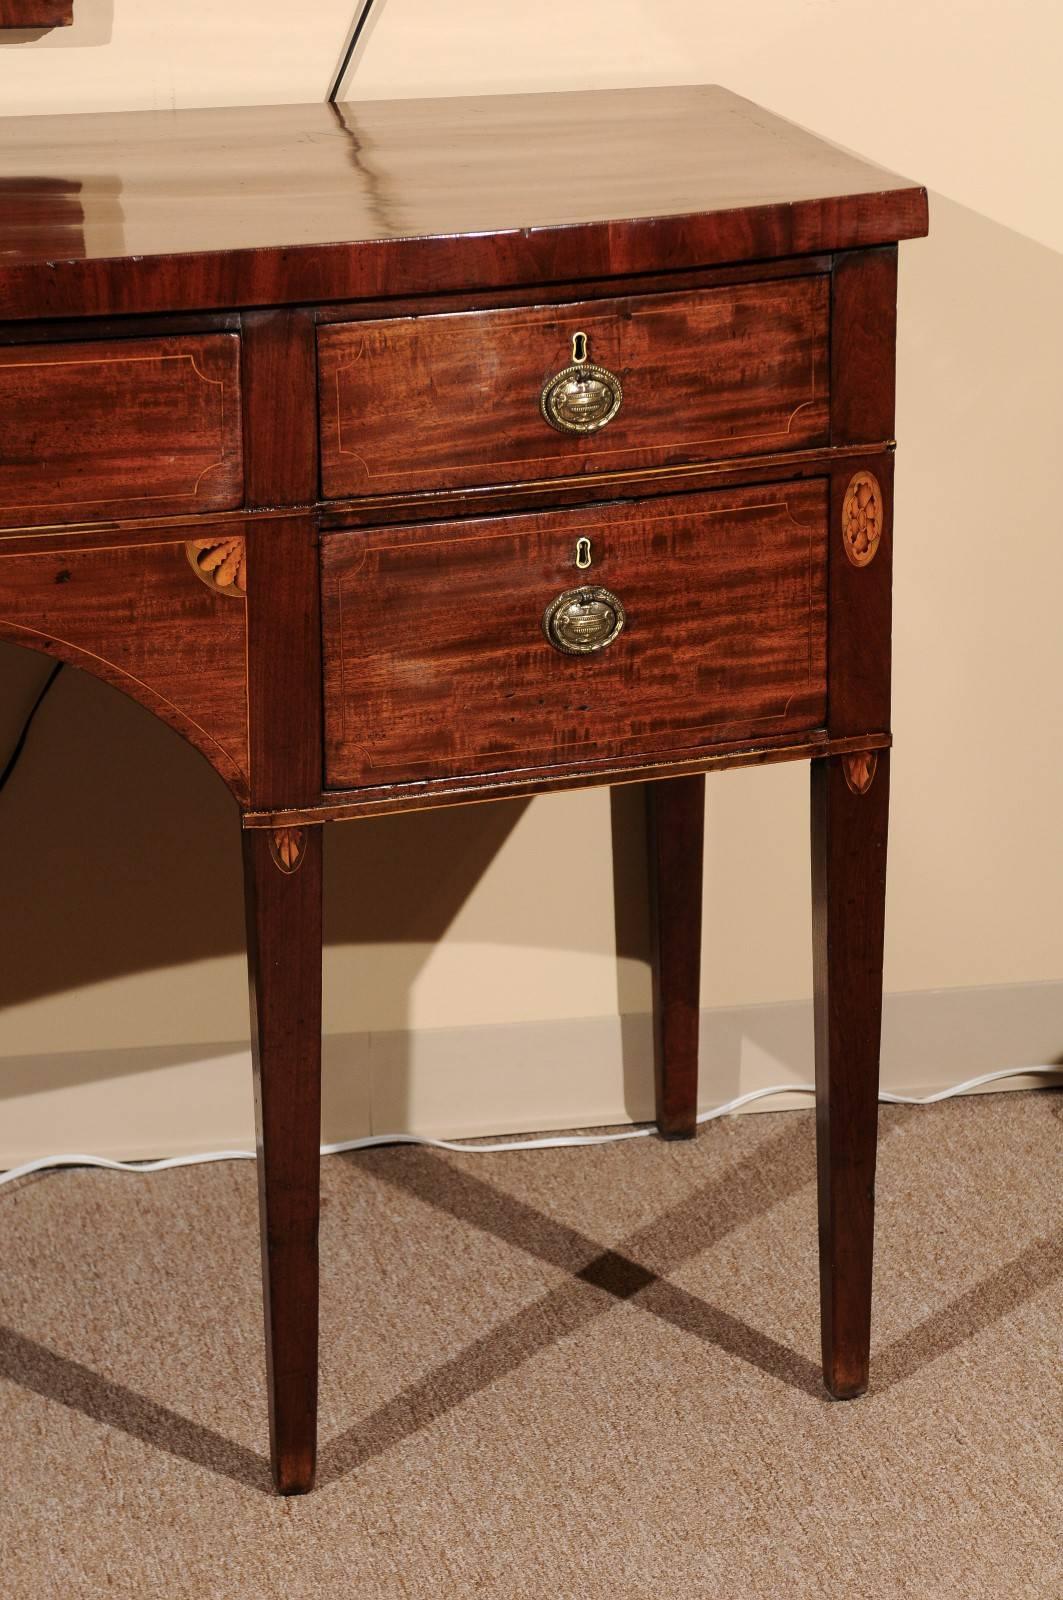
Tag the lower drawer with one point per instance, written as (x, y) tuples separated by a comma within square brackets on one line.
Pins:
[(526, 641)]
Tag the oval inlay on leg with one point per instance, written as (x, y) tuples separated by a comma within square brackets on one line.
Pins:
[(286, 846), (862, 518), (859, 770)]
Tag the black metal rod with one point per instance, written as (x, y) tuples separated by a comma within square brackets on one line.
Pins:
[(352, 44)]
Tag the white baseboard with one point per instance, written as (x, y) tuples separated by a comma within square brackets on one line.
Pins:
[(524, 1077)]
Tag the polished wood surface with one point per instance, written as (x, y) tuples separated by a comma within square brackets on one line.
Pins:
[(451, 401), (119, 427), (357, 624), (266, 205), (725, 635)]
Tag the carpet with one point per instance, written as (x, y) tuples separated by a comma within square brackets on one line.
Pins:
[(575, 1373)]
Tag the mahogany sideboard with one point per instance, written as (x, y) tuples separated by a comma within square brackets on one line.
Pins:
[(417, 453)]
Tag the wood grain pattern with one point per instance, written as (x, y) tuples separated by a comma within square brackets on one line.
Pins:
[(436, 662), (849, 827), (317, 203), (675, 827), (36, 13), (442, 402), (135, 615), (122, 426)]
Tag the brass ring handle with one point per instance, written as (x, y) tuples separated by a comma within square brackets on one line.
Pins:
[(583, 397), (581, 621)]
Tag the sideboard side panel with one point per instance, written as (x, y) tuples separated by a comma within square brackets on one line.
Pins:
[(148, 616)]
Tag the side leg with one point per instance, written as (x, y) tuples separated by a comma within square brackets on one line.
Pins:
[(675, 817), (850, 809), (282, 881)]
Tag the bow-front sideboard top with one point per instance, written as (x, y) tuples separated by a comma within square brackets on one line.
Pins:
[(414, 453)]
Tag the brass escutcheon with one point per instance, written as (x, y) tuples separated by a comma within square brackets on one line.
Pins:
[(581, 621), (583, 397)]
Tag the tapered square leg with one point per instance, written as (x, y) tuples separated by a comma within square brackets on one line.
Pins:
[(282, 877), (850, 809), (675, 818)]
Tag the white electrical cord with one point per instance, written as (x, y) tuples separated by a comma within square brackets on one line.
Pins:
[(559, 1141)]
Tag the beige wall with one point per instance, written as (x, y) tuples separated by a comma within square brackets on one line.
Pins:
[(453, 998)]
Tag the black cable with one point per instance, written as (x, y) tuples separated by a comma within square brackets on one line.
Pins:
[(20, 743), (356, 34)]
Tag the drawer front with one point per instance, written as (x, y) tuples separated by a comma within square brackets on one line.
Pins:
[(128, 427), (437, 662), (451, 401)]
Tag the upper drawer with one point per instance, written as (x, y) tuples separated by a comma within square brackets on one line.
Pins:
[(126, 427), (453, 400)]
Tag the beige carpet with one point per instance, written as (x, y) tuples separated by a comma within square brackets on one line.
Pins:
[(549, 1374)]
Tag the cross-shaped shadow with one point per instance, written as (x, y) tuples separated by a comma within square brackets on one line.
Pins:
[(636, 1270)]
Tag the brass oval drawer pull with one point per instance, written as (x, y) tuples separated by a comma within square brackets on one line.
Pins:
[(581, 621), (583, 397)]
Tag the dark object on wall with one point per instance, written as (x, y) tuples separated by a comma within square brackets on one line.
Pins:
[(36, 13)]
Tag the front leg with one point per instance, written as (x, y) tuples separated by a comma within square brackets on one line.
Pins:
[(282, 879), (850, 809)]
